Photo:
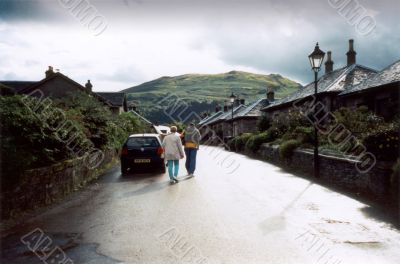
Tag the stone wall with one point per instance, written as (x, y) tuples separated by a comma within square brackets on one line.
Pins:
[(245, 125), (43, 186), (337, 171)]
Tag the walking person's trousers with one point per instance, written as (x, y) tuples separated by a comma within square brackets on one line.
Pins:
[(173, 168), (190, 163)]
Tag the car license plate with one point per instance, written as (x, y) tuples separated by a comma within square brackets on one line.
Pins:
[(142, 160)]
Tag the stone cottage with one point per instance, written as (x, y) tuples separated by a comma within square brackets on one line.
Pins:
[(245, 121), (117, 100), (217, 125), (57, 85), (380, 93), (330, 85)]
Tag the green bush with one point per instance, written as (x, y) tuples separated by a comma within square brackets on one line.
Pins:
[(250, 144), (287, 147), (284, 122), (272, 133), (240, 142), (124, 125), (103, 128), (255, 141), (231, 144), (30, 138), (303, 134), (384, 144), (34, 134), (359, 121), (92, 114), (280, 123)]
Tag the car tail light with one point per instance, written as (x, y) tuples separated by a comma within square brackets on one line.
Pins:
[(160, 151), (124, 151)]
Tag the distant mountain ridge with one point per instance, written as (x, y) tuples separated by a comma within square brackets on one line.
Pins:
[(203, 91)]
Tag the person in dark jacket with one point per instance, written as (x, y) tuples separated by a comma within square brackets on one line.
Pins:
[(192, 141)]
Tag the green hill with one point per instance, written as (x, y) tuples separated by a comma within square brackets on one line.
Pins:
[(203, 91)]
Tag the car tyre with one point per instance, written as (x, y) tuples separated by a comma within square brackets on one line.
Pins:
[(163, 169), (124, 169)]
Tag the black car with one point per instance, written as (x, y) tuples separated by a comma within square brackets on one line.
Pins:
[(142, 151)]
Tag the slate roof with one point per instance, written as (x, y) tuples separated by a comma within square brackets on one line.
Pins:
[(25, 87), (227, 115), (18, 85), (6, 90), (336, 81), (253, 110), (388, 75), (115, 98), (210, 118)]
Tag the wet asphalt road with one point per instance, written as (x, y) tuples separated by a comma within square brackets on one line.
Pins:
[(236, 210)]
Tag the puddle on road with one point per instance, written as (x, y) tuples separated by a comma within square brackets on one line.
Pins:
[(273, 224), (366, 244), (14, 251), (345, 232)]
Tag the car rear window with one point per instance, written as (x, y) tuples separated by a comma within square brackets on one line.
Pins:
[(142, 142)]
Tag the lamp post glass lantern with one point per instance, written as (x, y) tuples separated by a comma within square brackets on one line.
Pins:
[(232, 100), (316, 58)]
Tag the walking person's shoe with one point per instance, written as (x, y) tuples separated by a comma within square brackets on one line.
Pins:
[(176, 180), (172, 181)]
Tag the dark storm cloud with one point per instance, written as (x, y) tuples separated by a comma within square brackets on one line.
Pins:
[(14, 10), (281, 40), (277, 36)]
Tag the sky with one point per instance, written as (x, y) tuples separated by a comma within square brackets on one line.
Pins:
[(123, 43)]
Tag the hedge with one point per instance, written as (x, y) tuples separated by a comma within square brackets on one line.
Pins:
[(383, 143), (287, 147), (64, 129)]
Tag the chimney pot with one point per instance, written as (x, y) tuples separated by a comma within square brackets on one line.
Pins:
[(351, 54), (329, 63), (49, 72), (270, 94), (88, 85), (351, 44), (237, 102)]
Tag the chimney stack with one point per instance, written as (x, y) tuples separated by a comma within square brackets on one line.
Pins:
[(351, 54), (270, 94), (237, 102), (49, 72), (88, 85), (225, 107), (242, 101), (329, 63), (217, 108)]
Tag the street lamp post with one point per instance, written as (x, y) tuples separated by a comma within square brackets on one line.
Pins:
[(232, 99), (316, 58)]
